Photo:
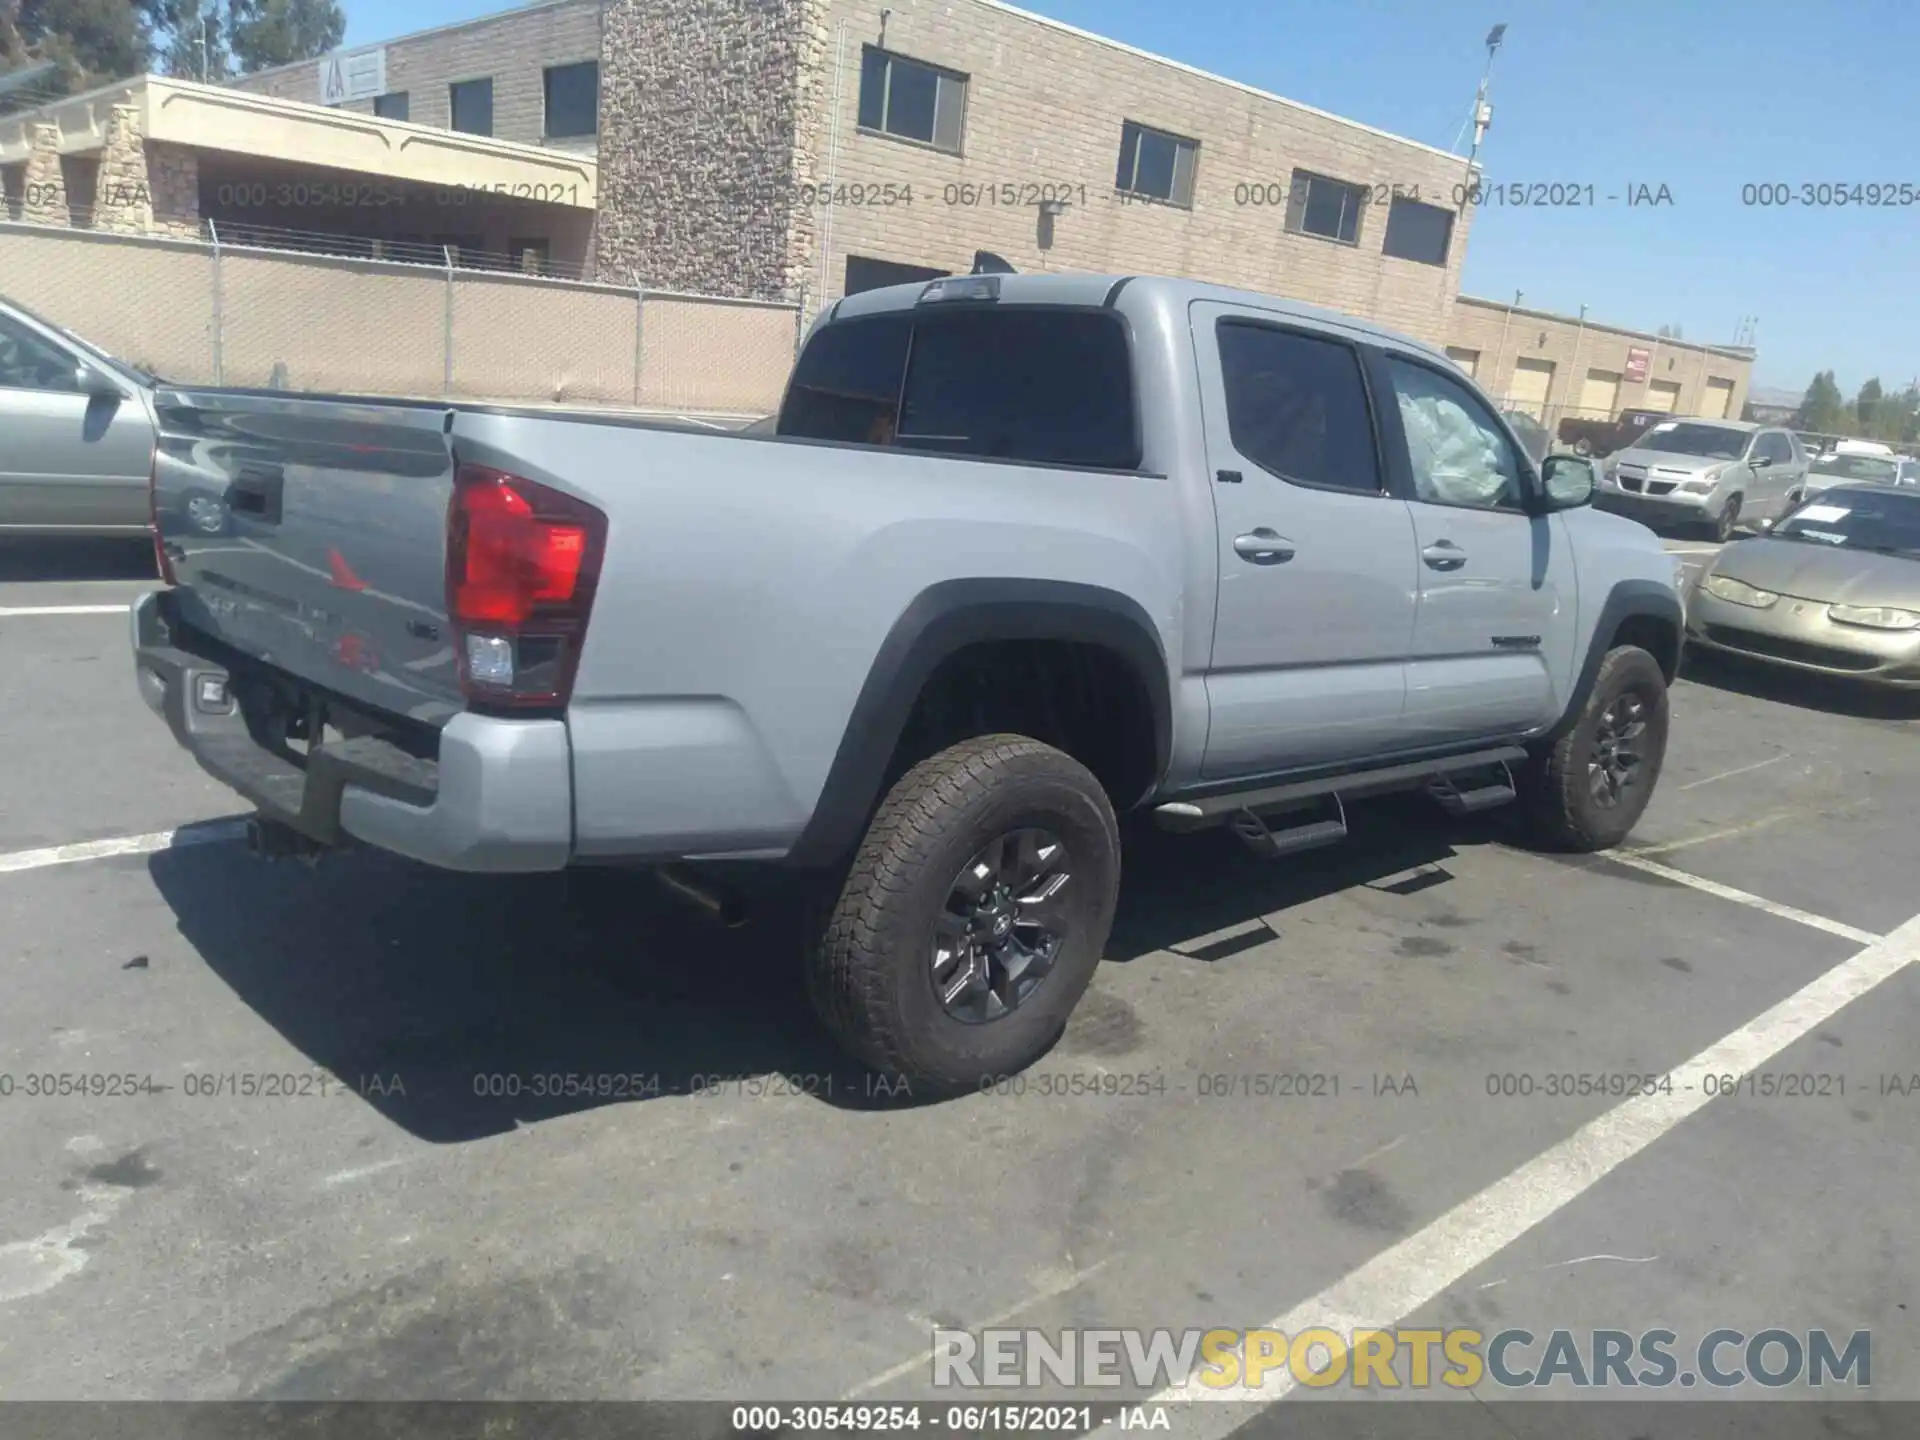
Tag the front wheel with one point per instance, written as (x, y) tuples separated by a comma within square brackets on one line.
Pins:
[(1583, 446), (974, 915), (1728, 520), (1588, 789)]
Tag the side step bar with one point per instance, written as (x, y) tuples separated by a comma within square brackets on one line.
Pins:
[(1201, 812), (1267, 836)]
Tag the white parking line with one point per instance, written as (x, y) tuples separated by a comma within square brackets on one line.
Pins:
[(205, 833), (1740, 897), (1741, 770), (15, 612), (1400, 1280)]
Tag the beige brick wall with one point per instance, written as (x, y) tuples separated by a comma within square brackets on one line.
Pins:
[(514, 47), (1045, 105), (1483, 328)]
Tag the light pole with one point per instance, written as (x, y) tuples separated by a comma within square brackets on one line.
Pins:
[(1482, 111)]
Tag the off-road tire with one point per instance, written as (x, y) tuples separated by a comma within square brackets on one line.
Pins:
[(1556, 794), (869, 973)]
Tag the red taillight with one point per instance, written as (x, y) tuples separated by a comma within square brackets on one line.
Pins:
[(522, 564), (160, 557)]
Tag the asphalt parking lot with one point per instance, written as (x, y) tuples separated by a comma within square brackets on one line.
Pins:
[(747, 1218)]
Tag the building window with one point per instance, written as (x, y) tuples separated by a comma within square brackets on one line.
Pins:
[(392, 106), (471, 105), (913, 101), (866, 273), (1319, 205), (1155, 165), (573, 100), (1418, 232)]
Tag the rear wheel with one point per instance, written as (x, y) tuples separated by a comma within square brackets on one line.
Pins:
[(1588, 789), (974, 914), (1583, 446)]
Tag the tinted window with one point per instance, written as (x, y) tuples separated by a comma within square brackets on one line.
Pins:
[(914, 101), (866, 273), (471, 102), (846, 385), (1458, 453), (573, 100), (29, 363), (1154, 165), (1297, 406), (1418, 232), (1049, 386), (391, 107)]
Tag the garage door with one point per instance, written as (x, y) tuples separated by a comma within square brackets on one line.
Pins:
[(1532, 379), (1664, 396), (1467, 360), (1718, 399), (1600, 394)]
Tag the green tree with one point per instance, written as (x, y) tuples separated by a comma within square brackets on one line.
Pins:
[(194, 46), (1822, 409), (89, 43), (278, 32), (1866, 406)]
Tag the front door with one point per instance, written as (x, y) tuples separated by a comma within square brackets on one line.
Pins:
[(1317, 585), (1493, 639)]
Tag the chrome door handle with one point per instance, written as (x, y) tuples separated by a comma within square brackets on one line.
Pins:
[(1444, 555), (1263, 547)]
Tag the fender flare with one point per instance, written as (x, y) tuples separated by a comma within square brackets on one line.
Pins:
[(941, 620), (1627, 600)]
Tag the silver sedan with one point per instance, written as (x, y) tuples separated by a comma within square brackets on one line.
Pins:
[(76, 433)]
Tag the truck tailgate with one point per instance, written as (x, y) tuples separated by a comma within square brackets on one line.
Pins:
[(311, 534)]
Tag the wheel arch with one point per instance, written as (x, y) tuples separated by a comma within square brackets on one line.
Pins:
[(1635, 612), (943, 620)]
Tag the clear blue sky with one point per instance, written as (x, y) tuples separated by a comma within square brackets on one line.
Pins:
[(1703, 96)]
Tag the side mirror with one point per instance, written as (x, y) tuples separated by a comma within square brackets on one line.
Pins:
[(1568, 481), (97, 384), (1761, 462)]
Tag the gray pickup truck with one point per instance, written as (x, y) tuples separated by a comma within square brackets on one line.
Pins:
[(1021, 552)]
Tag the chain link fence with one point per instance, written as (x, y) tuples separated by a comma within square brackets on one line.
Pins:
[(208, 312)]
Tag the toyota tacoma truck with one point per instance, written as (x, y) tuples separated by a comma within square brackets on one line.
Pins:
[(1020, 553)]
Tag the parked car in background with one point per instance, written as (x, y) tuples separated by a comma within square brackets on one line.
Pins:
[(1603, 437), (1879, 465), (1833, 588), (76, 433), (1712, 473), (1072, 577), (1531, 434)]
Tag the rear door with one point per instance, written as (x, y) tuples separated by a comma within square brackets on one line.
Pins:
[(311, 534), (1493, 637), (68, 460), (1317, 582)]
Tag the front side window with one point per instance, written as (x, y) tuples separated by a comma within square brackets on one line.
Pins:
[(1044, 386), (1457, 451), (1320, 205), (1297, 406), (914, 101), (470, 103), (1155, 166), (573, 100), (29, 363)]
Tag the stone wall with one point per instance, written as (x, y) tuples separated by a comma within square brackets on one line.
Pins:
[(43, 189), (173, 175), (705, 107)]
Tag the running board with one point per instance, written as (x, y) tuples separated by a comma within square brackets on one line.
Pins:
[(1274, 840), (1492, 790), (1204, 811)]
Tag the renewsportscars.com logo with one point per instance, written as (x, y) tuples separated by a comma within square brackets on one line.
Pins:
[(1230, 1362)]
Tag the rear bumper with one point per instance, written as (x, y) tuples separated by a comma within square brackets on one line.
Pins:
[(498, 797)]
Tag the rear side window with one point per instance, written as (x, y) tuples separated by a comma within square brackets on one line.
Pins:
[(1043, 386), (1297, 407)]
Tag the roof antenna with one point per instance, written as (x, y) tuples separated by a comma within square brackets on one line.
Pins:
[(985, 262)]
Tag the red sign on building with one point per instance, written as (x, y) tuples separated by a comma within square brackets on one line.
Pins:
[(1638, 359)]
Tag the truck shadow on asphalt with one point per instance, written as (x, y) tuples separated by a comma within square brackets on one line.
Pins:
[(464, 1006), (1803, 691)]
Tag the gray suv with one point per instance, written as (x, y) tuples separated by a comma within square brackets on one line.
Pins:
[(1712, 474)]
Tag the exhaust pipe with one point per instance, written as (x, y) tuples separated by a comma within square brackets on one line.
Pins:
[(272, 840), (729, 909)]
